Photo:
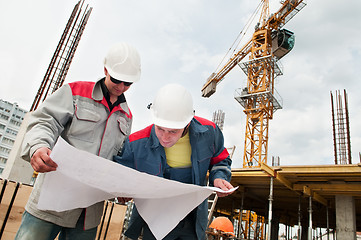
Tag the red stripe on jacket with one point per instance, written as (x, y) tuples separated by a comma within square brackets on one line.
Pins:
[(84, 89), (204, 121), (223, 155), (144, 133)]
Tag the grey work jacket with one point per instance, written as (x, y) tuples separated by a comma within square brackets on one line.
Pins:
[(79, 113)]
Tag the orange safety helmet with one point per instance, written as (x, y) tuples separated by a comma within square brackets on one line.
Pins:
[(223, 224)]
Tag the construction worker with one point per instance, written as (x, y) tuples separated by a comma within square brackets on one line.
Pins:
[(181, 147), (91, 116)]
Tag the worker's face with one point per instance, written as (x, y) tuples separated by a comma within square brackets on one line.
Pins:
[(168, 137), (115, 87)]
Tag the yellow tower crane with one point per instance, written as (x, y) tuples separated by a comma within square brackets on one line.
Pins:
[(268, 44)]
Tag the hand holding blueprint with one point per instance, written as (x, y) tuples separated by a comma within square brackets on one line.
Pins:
[(83, 179)]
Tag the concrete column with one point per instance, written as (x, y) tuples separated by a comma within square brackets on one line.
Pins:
[(345, 217)]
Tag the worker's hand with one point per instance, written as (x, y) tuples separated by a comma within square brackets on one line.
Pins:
[(224, 185), (123, 200), (41, 161)]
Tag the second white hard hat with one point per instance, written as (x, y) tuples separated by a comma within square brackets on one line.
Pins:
[(172, 107), (123, 62)]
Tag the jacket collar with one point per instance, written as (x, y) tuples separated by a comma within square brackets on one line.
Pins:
[(196, 127), (153, 141), (97, 95)]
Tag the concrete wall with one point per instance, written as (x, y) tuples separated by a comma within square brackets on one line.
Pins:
[(16, 168)]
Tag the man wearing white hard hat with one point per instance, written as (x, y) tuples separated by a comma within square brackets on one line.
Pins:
[(91, 116), (181, 147)]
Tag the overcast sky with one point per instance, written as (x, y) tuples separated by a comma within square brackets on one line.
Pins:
[(184, 42)]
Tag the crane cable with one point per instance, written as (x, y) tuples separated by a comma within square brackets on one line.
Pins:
[(244, 30)]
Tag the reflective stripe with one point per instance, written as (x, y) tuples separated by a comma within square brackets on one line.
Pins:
[(220, 168)]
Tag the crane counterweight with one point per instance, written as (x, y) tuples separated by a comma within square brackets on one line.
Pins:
[(210, 87)]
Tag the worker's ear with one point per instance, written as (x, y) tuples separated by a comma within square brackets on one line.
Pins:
[(105, 71)]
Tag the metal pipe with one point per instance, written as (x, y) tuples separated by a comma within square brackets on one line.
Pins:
[(232, 214), (240, 217), (334, 129), (249, 225), (327, 224), (299, 232), (270, 199), (310, 218), (347, 129)]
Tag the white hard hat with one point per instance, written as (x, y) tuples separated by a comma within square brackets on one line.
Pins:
[(123, 62), (172, 107)]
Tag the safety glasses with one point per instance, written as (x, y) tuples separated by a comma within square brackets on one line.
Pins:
[(127, 84)]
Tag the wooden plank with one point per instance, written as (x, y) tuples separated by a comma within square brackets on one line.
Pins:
[(309, 192), (268, 169), (322, 187)]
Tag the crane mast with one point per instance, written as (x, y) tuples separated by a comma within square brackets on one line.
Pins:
[(268, 44)]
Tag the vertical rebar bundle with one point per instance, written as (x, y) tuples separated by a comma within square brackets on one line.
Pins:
[(64, 53), (341, 129), (218, 118)]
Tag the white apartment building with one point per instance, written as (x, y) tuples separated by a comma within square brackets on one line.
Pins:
[(11, 117)]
